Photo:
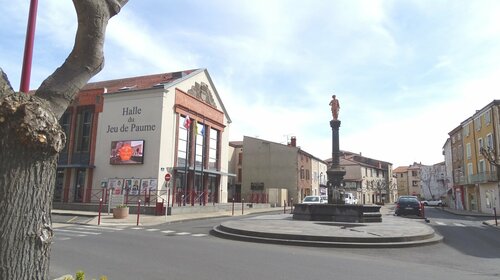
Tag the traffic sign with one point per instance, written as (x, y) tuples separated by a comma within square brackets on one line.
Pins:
[(168, 177)]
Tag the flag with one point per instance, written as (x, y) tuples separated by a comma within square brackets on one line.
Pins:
[(203, 130), (187, 122)]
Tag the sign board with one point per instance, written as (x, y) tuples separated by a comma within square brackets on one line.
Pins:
[(168, 177)]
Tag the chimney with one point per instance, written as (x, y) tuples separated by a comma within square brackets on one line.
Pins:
[(293, 141)]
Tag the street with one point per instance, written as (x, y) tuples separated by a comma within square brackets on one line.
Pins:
[(186, 251)]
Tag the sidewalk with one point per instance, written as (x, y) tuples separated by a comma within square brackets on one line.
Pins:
[(151, 220)]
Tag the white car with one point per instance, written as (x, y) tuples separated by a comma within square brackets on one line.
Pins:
[(438, 202), (314, 199)]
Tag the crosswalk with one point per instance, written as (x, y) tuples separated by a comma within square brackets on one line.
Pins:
[(80, 231)]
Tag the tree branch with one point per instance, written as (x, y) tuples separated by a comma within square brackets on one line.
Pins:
[(86, 59)]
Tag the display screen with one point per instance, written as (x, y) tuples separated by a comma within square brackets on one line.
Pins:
[(127, 152)]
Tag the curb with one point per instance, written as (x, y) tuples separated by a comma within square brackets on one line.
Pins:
[(334, 242)]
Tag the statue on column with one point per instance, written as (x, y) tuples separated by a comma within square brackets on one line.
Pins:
[(335, 107)]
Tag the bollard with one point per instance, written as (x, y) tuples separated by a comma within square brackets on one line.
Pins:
[(242, 205), (138, 211), (284, 206), (495, 212), (291, 206), (422, 206), (100, 207), (232, 210)]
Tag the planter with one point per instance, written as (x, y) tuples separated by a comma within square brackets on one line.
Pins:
[(120, 213)]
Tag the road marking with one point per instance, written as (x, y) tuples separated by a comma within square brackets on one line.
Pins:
[(136, 228), (168, 231), (459, 225), (72, 219), (63, 238), (183, 233), (105, 228), (199, 234), (77, 231), (153, 229), (441, 223)]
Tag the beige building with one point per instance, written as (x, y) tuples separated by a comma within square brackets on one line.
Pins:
[(409, 179), (267, 165)]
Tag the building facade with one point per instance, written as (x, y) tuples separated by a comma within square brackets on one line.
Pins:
[(273, 166), (156, 137)]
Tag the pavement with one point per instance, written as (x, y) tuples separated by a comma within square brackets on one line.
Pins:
[(259, 225)]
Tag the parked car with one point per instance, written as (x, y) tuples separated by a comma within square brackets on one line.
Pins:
[(314, 199), (438, 202), (408, 205), (349, 198)]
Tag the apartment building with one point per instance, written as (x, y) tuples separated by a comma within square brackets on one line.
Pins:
[(475, 160), (409, 179)]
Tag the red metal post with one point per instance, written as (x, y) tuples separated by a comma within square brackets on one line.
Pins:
[(100, 207), (138, 211), (422, 206), (28, 47)]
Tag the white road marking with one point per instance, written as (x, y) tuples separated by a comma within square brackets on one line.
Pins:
[(199, 234), (77, 231), (183, 233), (168, 231), (153, 229), (136, 228), (441, 223), (459, 225), (100, 227)]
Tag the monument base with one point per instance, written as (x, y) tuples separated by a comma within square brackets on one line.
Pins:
[(337, 213)]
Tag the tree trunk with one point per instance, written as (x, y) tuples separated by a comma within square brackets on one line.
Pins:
[(30, 141)]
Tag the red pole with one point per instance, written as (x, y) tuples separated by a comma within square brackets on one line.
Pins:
[(495, 211), (100, 207), (138, 211), (28, 48)]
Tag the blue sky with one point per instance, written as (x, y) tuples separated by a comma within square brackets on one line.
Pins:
[(406, 72)]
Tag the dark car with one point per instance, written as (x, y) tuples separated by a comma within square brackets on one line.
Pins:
[(408, 205)]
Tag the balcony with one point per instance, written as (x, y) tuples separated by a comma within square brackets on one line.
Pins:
[(484, 177)]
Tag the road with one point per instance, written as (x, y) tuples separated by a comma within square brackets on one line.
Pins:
[(187, 251)]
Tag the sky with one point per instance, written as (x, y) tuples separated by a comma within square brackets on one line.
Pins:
[(406, 73)]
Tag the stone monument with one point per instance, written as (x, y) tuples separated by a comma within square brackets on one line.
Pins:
[(336, 210), (335, 173)]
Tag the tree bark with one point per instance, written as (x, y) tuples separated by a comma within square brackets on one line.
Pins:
[(30, 141)]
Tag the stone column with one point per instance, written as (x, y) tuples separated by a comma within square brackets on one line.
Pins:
[(335, 173)]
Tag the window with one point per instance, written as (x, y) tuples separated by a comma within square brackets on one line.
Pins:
[(240, 158), (200, 144), (84, 130), (307, 174), (468, 150), (466, 130), (477, 123), (489, 141), (239, 175), (481, 167), (469, 169), (302, 172), (213, 149), (182, 143), (487, 117), (414, 183), (480, 144), (414, 173), (65, 123)]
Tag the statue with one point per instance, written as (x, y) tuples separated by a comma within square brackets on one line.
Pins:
[(335, 107)]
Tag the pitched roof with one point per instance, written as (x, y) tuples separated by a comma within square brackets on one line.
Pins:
[(139, 82), (400, 169)]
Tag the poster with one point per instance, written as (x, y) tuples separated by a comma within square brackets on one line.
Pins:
[(116, 185), (144, 186), (135, 187)]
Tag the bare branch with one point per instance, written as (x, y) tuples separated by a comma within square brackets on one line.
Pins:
[(489, 154), (86, 59)]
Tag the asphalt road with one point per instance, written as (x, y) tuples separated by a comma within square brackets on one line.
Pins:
[(187, 251)]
